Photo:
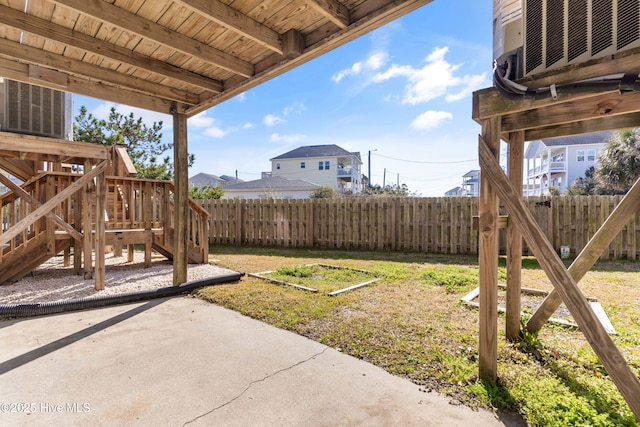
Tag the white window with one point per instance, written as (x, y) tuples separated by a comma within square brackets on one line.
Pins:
[(580, 155), (326, 165), (591, 155), (302, 165), (277, 165), (320, 165)]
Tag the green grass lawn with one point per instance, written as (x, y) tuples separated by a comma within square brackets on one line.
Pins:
[(412, 324)]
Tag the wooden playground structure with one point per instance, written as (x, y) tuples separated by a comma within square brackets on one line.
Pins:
[(79, 199)]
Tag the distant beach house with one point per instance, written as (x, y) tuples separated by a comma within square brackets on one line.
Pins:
[(324, 165), (204, 179), (470, 186), (270, 187), (557, 162)]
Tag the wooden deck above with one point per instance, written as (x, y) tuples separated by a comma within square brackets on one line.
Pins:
[(176, 55)]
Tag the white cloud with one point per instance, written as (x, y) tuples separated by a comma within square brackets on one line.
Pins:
[(430, 119), (296, 108), (377, 60), (374, 62), (201, 120), (242, 97), (215, 132), (289, 139), (354, 70), (248, 125), (433, 80), (474, 82), (272, 120)]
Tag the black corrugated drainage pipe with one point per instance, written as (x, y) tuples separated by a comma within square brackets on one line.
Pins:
[(40, 309)]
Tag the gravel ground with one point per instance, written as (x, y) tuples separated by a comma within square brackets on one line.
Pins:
[(54, 282)]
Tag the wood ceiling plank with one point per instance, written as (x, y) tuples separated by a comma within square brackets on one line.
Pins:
[(365, 18), (232, 19), (35, 56), (69, 37), (150, 30)]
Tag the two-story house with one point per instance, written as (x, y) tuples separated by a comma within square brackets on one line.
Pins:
[(558, 162), (325, 165)]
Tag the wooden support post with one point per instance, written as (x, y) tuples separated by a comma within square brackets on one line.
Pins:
[(514, 243), (100, 240), (180, 198), (87, 226), (613, 361), (50, 191), (77, 224), (130, 249), (147, 200), (608, 231), (488, 261)]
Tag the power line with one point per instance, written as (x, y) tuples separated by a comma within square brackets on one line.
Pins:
[(427, 163)]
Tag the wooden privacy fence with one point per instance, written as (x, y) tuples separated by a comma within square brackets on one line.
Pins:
[(443, 224)]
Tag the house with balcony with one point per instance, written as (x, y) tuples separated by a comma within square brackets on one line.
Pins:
[(470, 186), (558, 162), (324, 165)]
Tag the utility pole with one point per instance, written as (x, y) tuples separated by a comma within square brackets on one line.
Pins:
[(384, 178), (369, 177)]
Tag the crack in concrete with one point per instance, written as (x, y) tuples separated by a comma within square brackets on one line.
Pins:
[(255, 382)]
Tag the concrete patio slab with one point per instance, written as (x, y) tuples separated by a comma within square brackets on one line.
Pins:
[(183, 361)]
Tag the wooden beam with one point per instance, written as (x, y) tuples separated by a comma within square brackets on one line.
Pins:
[(293, 44), (596, 335), (87, 86), (600, 241), (627, 120), (87, 244), (50, 204), (180, 199), (489, 102), (236, 21), (22, 22), (333, 10), (121, 18), (488, 261), (55, 78), (59, 147), (33, 55), (514, 243), (36, 204), (608, 104), (99, 238), (77, 220)]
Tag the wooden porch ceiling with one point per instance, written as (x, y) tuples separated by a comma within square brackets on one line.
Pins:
[(175, 55)]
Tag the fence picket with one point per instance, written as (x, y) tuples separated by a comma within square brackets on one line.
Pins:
[(421, 224)]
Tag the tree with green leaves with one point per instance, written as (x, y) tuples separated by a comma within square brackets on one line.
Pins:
[(144, 143), (322, 192), (401, 190), (620, 161), (206, 192)]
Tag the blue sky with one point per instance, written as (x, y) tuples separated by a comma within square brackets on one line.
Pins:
[(403, 90)]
